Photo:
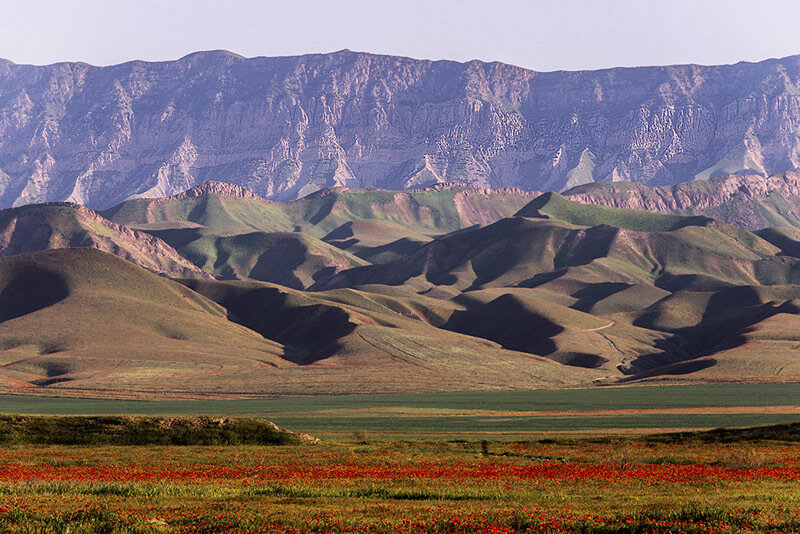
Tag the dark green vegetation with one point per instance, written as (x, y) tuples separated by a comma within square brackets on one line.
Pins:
[(380, 292), (118, 430), (782, 432)]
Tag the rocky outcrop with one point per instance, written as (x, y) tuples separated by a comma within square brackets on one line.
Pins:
[(747, 201), (285, 127), (67, 225), (215, 188), (686, 196)]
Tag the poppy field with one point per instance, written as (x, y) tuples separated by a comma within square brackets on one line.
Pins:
[(548, 485)]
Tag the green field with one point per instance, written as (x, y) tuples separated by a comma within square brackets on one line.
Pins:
[(503, 412)]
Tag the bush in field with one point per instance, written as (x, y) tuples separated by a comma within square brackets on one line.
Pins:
[(112, 430)]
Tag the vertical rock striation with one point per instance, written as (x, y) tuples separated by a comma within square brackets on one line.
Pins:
[(287, 126)]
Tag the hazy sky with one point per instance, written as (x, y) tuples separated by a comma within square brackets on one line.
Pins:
[(537, 34)]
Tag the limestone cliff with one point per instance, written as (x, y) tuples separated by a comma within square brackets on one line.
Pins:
[(287, 126)]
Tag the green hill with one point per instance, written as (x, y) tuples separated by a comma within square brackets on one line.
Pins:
[(748, 201), (553, 205), (375, 291), (662, 299), (426, 212), (291, 259), (229, 232)]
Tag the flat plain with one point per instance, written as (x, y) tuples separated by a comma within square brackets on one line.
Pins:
[(689, 484), (629, 409)]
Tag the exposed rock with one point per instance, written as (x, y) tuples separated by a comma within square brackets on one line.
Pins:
[(742, 200), (215, 188), (285, 127), (66, 225)]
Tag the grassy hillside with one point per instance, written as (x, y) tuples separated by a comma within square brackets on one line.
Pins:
[(533, 251), (556, 206), (427, 212), (670, 296), (751, 202), (376, 291), (230, 235), (291, 259), (365, 341), (96, 323), (83, 318)]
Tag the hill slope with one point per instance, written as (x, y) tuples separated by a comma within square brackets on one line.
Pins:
[(83, 318), (230, 232), (86, 322), (42, 227), (656, 295), (288, 258), (287, 126), (229, 209)]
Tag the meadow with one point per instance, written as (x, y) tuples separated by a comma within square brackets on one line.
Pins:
[(587, 485), (586, 460)]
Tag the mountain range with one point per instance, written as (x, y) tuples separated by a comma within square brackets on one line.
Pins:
[(288, 126)]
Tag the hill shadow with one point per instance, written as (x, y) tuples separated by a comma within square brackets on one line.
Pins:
[(309, 333), (506, 321), (31, 290), (730, 314), (594, 293)]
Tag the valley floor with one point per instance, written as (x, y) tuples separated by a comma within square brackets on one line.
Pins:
[(592, 486), (512, 414)]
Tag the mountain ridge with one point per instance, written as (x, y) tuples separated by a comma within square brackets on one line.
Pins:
[(66, 225), (222, 52), (284, 127)]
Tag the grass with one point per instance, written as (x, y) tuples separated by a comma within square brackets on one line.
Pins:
[(548, 486), (291, 259), (458, 414), (558, 207), (426, 212)]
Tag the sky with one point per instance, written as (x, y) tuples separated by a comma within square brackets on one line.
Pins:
[(536, 34)]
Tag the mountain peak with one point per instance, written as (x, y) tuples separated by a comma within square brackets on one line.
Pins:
[(204, 54)]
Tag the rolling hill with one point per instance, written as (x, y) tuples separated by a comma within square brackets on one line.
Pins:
[(654, 295), (231, 233), (81, 318), (748, 201), (375, 291), (95, 324)]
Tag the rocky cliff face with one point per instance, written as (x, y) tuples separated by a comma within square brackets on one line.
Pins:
[(747, 201), (285, 127), (686, 196)]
